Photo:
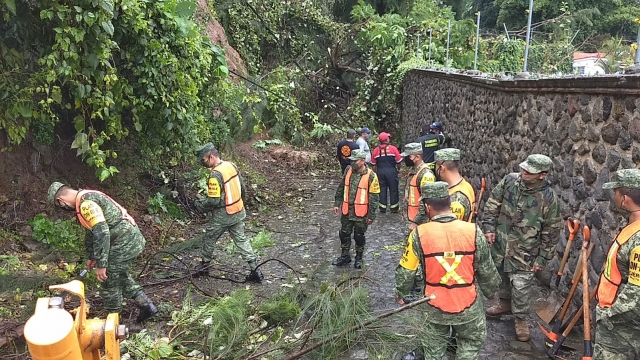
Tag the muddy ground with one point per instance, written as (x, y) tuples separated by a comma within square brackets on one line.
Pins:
[(307, 241), (293, 200)]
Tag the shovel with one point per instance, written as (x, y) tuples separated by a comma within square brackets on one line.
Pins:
[(551, 310), (585, 310), (558, 345), (573, 226), (553, 335)]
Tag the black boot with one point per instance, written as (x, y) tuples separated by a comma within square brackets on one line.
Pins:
[(343, 259), (201, 270), (360, 242), (358, 263), (255, 275), (147, 309), (345, 245), (382, 210)]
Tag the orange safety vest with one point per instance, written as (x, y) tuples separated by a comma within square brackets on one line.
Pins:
[(449, 252), (123, 211), (610, 279), (232, 187), (465, 188), (361, 202), (413, 202)]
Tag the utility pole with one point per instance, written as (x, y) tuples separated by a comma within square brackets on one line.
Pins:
[(475, 59), (526, 49), (448, 40)]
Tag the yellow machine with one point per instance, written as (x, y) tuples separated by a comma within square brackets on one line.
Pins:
[(53, 334)]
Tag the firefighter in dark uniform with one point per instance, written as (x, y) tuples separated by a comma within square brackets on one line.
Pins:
[(432, 141), (385, 160)]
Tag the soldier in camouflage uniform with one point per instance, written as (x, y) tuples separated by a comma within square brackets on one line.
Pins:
[(112, 242), (462, 195), (224, 200), (357, 206), (618, 310), (419, 174), (522, 222), (454, 253)]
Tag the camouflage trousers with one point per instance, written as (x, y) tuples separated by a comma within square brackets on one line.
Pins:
[(516, 286), (616, 341), (119, 282), (355, 227), (213, 233), (470, 338)]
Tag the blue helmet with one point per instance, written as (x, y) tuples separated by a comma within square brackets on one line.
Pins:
[(436, 126)]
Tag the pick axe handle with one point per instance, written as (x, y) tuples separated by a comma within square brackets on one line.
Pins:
[(573, 226), (572, 323), (483, 186), (588, 348), (574, 286)]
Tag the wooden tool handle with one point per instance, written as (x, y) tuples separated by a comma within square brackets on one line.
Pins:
[(576, 280), (585, 285), (573, 230)]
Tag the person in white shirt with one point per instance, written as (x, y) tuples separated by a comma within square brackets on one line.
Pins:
[(362, 143)]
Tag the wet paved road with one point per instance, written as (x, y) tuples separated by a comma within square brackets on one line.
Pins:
[(382, 254)]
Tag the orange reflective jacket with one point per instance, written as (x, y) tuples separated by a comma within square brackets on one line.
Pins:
[(465, 188), (413, 202), (232, 187), (84, 223), (610, 279), (361, 202), (449, 251)]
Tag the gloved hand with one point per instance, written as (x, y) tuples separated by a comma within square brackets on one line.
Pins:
[(197, 205)]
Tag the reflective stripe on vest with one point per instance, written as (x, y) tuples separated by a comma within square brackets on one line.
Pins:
[(449, 252), (123, 211), (610, 279), (413, 202), (361, 201), (467, 190), (232, 187)]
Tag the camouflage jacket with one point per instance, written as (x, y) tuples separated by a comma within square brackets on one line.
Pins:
[(108, 230), (374, 194), (215, 205), (526, 223), (625, 311), (487, 278), (427, 176)]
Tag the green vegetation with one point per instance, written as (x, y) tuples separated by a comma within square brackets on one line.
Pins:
[(111, 69), (65, 235)]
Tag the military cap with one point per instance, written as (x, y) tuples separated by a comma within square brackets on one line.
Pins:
[(434, 190), (624, 178), (411, 149), (536, 164), (204, 149), (53, 190), (358, 154), (448, 154)]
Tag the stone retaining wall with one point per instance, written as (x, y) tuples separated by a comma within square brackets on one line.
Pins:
[(590, 127)]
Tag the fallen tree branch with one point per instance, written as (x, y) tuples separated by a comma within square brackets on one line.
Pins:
[(359, 326)]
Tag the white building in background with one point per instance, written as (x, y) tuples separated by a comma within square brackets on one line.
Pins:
[(587, 63)]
